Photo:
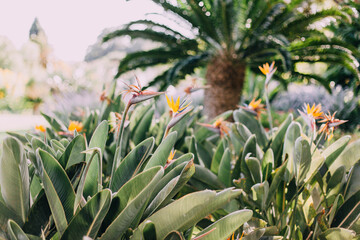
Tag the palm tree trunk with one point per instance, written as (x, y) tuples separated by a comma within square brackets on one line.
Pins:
[(226, 79)]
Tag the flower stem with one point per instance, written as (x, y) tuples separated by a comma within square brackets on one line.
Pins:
[(293, 219), (166, 133), (317, 143), (268, 108), (119, 136)]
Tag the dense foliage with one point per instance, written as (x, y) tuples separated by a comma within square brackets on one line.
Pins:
[(117, 177)]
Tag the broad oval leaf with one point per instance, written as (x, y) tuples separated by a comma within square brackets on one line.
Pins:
[(58, 190), (98, 140), (186, 211), (88, 220), (224, 227), (302, 160), (129, 203), (14, 178), (15, 231), (225, 169), (253, 125), (349, 156), (72, 154), (131, 163), (143, 127), (161, 154), (292, 133)]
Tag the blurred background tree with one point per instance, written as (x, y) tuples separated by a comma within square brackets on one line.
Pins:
[(227, 38), (348, 32)]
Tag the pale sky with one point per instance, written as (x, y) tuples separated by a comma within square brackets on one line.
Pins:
[(70, 25)]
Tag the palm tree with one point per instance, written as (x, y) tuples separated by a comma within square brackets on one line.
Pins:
[(228, 37), (350, 33)]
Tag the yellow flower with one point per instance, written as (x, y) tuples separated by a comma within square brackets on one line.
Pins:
[(176, 107), (40, 128), (266, 69), (232, 237), (314, 111), (170, 158), (219, 127), (171, 155), (75, 125), (254, 107), (330, 122)]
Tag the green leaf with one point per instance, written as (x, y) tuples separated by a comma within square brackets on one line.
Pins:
[(250, 150), (279, 175), (278, 140), (193, 148), (54, 123), (336, 180), (207, 178), (58, 190), (225, 168), (130, 165), (254, 167), (260, 192), (224, 227), (176, 162), (253, 125), (348, 213), (5, 215), (129, 202), (136, 116), (292, 133), (336, 234), (353, 182), (15, 231), (19, 137), (175, 235), (95, 152), (169, 186), (38, 143), (316, 161), (161, 196), (14, 178), (333, 151), (88, 220), (302, 160), (187, 211), (339, 200), (98, 140), (267, 164), (143, 127), (72, 154), (161, 154), (57, 146), (348, 157), (149, 232), (38, 216), (215, 162)]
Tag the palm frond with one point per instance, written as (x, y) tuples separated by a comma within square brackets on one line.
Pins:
[(277, 10), (181, 12), (151, 24), (324, 43), (146, 34), (148, 58), (301, 22), (331, 60), (185, 66), (205, 22), (323, 81)]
